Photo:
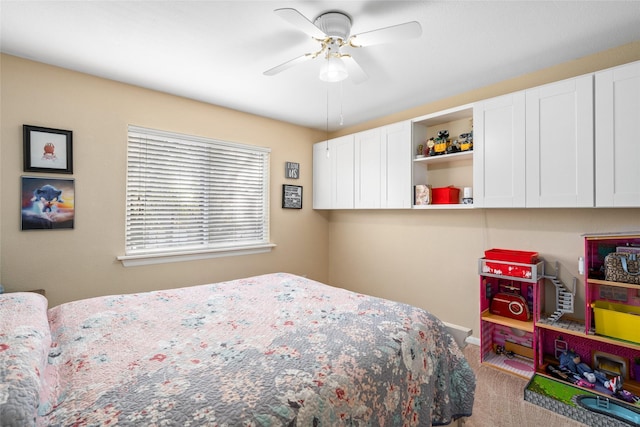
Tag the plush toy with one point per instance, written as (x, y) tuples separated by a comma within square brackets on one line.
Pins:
[(571, 361)]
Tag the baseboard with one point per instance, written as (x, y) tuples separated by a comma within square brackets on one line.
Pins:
[(473, 341), (459, 333)]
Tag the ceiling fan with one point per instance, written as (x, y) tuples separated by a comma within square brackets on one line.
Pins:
[(333, 31)]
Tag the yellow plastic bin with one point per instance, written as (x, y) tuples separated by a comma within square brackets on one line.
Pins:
[(617, 320)]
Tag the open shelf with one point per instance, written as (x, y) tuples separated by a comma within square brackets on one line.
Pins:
[(443, 170), (519, 366), (487, 316), (616, 284), (444, 206), (445, 158)]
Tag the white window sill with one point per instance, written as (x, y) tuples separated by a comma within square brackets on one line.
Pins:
[(166, 257)]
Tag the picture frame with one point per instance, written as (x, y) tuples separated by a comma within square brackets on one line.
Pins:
[(47, 203), (292, 170), (47, 149), (291, 196)]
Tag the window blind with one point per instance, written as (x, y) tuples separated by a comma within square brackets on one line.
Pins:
[(187, 193)]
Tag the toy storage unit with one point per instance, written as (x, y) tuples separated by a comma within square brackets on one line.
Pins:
[(508, 280), (607, 338), (610, 300), (612, 309)]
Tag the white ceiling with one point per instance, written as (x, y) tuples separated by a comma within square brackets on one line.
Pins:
[(217, 51)]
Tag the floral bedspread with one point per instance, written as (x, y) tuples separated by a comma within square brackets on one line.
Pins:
[(272, 350), (24, 345)]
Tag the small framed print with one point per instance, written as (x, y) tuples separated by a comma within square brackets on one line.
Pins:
[(47, 203), (291, 196), (47, 150), (292, 170)]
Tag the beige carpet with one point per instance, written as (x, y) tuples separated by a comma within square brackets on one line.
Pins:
[(499, 400)]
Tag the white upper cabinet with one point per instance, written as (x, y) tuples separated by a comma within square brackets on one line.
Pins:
[(342, 188), (321, 176), (572, 143), (559, 144), (368, 168), (333, 173), (383, 167), (534, 148), (617, 161), (499, 151), (396, 175)]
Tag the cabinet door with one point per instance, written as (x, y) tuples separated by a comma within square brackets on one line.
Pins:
[(368, 168), (559, 144), (341, 155), (396, 189), (321, 176), (383, 167), (499, 152), (617, 98)]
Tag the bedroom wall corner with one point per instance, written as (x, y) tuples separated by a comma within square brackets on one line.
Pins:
[(81, 263), (429, 258)]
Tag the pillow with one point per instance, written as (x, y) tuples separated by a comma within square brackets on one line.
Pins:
[(24, 344)]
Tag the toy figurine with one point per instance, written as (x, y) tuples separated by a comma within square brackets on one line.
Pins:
[(571, 361)]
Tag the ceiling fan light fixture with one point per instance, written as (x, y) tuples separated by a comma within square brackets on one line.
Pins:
[(333, 70)]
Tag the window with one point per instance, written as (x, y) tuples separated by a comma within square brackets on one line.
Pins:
[(190, 197)]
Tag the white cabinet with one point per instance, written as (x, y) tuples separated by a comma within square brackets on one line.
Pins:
[(559, 144), (333, 173), (341, 154), (617, 99), (535, 148), (368, 168), (383, 167), (321, 176), (499, 152), (396, 176)]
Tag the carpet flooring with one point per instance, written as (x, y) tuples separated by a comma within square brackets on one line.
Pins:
[(499, 400)]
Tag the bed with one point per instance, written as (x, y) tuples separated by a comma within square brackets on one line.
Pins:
[(270, 350)]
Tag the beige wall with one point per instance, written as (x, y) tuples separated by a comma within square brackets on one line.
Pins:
[(72, 264), (429, 257)]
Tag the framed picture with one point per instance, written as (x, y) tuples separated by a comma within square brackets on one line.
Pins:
[(291, 196), (47, 203), (292, 170), (47, 150)]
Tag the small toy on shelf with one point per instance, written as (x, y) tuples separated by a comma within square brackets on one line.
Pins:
[(466, 141), (441, 143), (431, 151)]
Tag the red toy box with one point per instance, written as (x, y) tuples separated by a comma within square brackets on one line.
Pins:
[(445, 196), (523, 257), (507, 261)]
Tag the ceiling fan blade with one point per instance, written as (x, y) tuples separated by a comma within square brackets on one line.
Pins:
[(275, 70), (299, 21), (408, 30), (356, 73)]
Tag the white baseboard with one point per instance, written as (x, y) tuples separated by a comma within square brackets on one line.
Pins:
[(459, 333), (473, 341)]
